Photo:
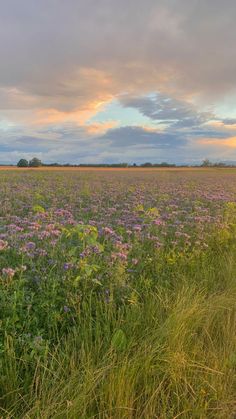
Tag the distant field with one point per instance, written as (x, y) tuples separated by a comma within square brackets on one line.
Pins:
[(122, 169), (118, 293)]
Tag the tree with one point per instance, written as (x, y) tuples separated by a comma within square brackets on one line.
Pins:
[(219, 164), (146, 164), (35, 162), (206, 163), (22, 163)]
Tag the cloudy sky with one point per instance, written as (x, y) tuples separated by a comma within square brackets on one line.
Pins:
[(113, 81)]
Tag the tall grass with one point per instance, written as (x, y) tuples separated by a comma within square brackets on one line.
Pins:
[(170, 353)]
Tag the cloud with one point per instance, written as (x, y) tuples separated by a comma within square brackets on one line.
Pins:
[(70, 143), (165, 109), (178, 118), (229, 121), (100, 127), (138, 136), (63, 63), (64, 56)]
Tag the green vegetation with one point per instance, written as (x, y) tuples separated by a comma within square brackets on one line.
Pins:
[(98, 319), (23, 163), (35, 162)]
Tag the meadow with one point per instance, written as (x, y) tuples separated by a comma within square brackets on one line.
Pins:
[(118, 294)]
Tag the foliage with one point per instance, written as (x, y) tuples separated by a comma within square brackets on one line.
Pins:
[(35, 162), (23, 163), (206, 163)]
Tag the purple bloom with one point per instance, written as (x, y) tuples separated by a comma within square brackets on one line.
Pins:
[(30, 245), (66, 309), (68, 266)]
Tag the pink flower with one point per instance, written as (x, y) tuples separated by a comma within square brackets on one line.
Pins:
[(9, 272), (158, 222), (3, 245), (119, 255), (108, 230)]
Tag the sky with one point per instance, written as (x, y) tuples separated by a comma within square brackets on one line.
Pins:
[(108, 81)]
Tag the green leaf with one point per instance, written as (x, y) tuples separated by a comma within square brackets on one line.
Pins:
[(77, 279), (119, 340), (72, 251), (38, 209), (96, 281)]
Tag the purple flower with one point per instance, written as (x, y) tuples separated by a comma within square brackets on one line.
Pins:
[(30, 245), (108, 231), (66, 309), (68, 266)]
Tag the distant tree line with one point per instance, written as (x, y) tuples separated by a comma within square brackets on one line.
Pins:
[(35, 162), (208, 163), (163, 164)]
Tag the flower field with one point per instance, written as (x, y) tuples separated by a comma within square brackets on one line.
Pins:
[(118, 294)]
